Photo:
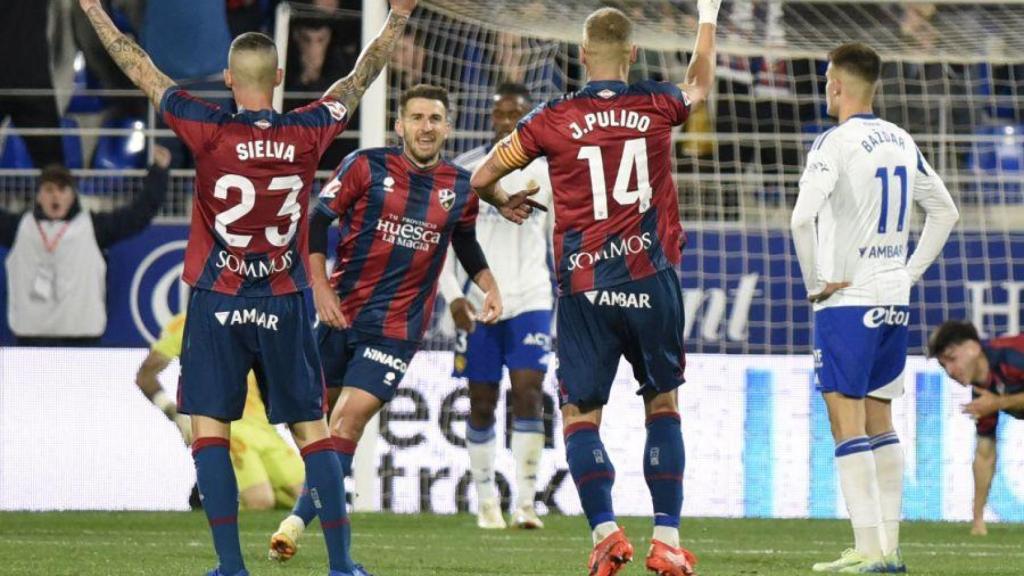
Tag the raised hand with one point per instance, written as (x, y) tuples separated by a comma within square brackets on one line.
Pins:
[(707, 11), (403, 7)]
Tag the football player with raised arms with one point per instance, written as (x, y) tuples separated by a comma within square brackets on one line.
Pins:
[(520, 340), (850, 228), (398, 210), (617, 246), (248, 262)]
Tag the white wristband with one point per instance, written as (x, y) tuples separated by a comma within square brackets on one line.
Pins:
[(165, 404), (707, 11)]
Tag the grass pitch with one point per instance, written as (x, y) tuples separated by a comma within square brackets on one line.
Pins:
[(166, 544)]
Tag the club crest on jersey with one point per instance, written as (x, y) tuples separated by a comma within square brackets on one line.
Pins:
[(606, 93), (337, 110), (262, 123), (447, 198)]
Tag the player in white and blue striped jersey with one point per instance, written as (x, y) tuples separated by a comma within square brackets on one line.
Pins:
[(850, 228)]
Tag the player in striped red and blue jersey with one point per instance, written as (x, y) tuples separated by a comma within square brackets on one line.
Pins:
[(617, 244), (994, 369), (398, 211), (247, 261)]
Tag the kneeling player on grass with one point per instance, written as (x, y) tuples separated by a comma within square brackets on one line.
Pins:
[(269, 471), (994, 369), (618, 243), (850, 228), (399, 209)]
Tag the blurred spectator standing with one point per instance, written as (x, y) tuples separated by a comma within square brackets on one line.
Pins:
[(323, 45), (56, 271)]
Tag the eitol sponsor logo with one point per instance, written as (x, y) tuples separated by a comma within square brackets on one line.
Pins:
[(890, 316)]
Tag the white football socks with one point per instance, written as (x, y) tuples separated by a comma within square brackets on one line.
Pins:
[(603, 530), (667, 534), (481, 464), (527, 448), (857, 477), (889, 470)]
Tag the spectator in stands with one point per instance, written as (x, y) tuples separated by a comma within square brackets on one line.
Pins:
[(56, 272), (408, 61), (310, 66), (994, 369), (317, 56), (26, 63)]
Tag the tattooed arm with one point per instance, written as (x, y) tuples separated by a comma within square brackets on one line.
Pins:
[(374, 57), (132, 59)]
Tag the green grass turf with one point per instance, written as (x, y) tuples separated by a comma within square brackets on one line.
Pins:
[(94, 543)]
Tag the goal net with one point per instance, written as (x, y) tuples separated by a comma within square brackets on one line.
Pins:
[(952, 76), (758, 442)]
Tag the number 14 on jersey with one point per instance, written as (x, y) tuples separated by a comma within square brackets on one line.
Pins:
[(634, 155)]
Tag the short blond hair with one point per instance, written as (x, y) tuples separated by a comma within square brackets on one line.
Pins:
[(608, 34), (252, 60), (608, 26)]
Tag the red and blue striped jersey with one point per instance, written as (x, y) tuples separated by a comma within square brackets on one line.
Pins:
[(609, 151), (396, 222), (254, 172), (1006, 374)]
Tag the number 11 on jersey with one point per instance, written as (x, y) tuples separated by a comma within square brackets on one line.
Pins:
[(883, 175)]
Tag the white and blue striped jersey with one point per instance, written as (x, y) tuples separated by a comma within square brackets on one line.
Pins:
[(516, 254), (860, 184)]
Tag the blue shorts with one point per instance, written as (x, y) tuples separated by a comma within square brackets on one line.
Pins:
[(861, 350), (369, 362), (520, 343), (226, 336), (641, 320)]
